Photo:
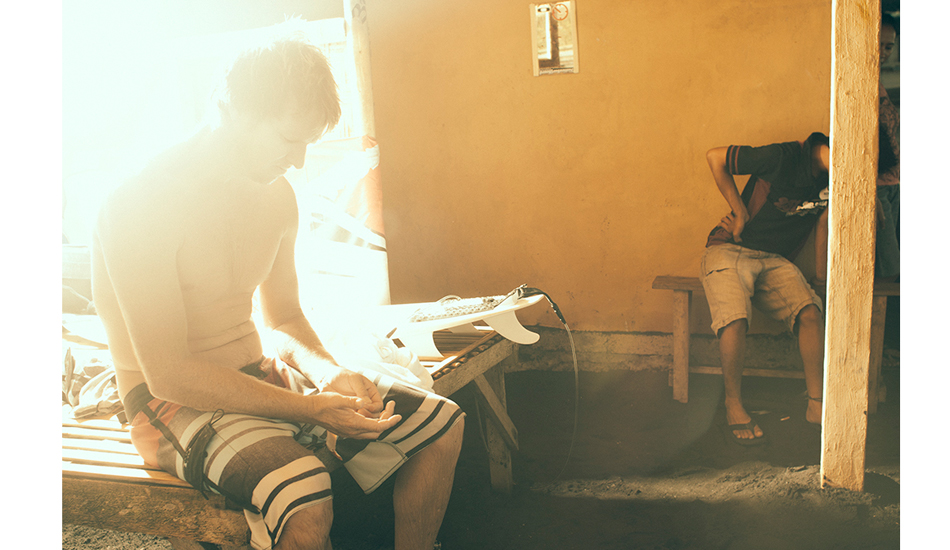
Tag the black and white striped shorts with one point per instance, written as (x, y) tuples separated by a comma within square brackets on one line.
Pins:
[(268, 465)]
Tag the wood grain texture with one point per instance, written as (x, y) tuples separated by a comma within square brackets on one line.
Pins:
[(157, 510), (855, 74)]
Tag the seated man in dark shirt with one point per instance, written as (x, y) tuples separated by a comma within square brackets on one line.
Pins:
[(748, 261)]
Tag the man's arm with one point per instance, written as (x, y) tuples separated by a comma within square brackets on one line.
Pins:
[(147, 289), (300, 347), (139, 248), (735, 221)]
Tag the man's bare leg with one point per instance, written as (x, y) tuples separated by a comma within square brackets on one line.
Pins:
[(732, 356), (811, 344), (423, 487), (308, 529)]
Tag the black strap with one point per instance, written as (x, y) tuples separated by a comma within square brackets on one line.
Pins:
[(136, 400), (193, 457)]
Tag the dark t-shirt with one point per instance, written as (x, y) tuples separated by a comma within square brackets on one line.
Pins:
[(782, 196)]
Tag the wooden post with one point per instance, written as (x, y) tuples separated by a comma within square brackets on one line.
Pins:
[(854, 117), (357, 37)]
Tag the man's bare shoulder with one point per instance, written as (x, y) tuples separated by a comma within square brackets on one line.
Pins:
[(266, 208), (285, 198), (153, 203)]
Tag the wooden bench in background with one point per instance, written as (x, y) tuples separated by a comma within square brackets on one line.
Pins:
[(107, 485), (683, 289)]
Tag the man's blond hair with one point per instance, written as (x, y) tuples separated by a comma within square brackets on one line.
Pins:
[(286, 75)]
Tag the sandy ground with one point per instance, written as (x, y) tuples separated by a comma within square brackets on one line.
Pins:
[(646, 472)]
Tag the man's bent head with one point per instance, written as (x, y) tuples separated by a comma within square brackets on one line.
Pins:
[(288, 76), (277, 99)]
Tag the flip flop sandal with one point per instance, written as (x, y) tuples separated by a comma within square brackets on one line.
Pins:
[(733, 428)]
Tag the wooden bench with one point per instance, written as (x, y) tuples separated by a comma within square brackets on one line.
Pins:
[(683, 289), (107, 485)]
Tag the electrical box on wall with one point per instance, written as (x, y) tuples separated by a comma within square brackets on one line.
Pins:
[(554, 38)]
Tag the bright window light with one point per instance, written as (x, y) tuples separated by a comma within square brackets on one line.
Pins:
[(133, 86), (139, 77)]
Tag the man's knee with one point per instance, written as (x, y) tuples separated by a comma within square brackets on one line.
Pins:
[(809, 317), (308, 528), (450, 444), (738, 327), (452, 440)]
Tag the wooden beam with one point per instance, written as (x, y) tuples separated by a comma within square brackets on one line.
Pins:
[(472, 366), (497, 409), (854, 117), (156, 510), (499, 438)]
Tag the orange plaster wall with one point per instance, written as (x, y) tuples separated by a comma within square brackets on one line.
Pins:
[(584, 185)]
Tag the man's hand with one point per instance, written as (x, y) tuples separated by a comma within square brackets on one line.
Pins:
[(353, 407), (345, 416), (349, 383), (734, 224)]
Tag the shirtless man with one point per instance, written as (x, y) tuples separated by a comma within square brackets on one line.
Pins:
[(178, 254)]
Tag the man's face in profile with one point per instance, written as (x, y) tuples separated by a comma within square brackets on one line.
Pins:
[(270, 145), (888, 38)]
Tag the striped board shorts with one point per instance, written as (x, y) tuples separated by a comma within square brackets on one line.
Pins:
[(268, 466)]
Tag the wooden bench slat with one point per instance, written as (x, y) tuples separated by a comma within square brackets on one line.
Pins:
[(104, 446), (96, 434), (109, 425), (693, 284), (456, 373), (127, 475), (100, 458), (669, 282)]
